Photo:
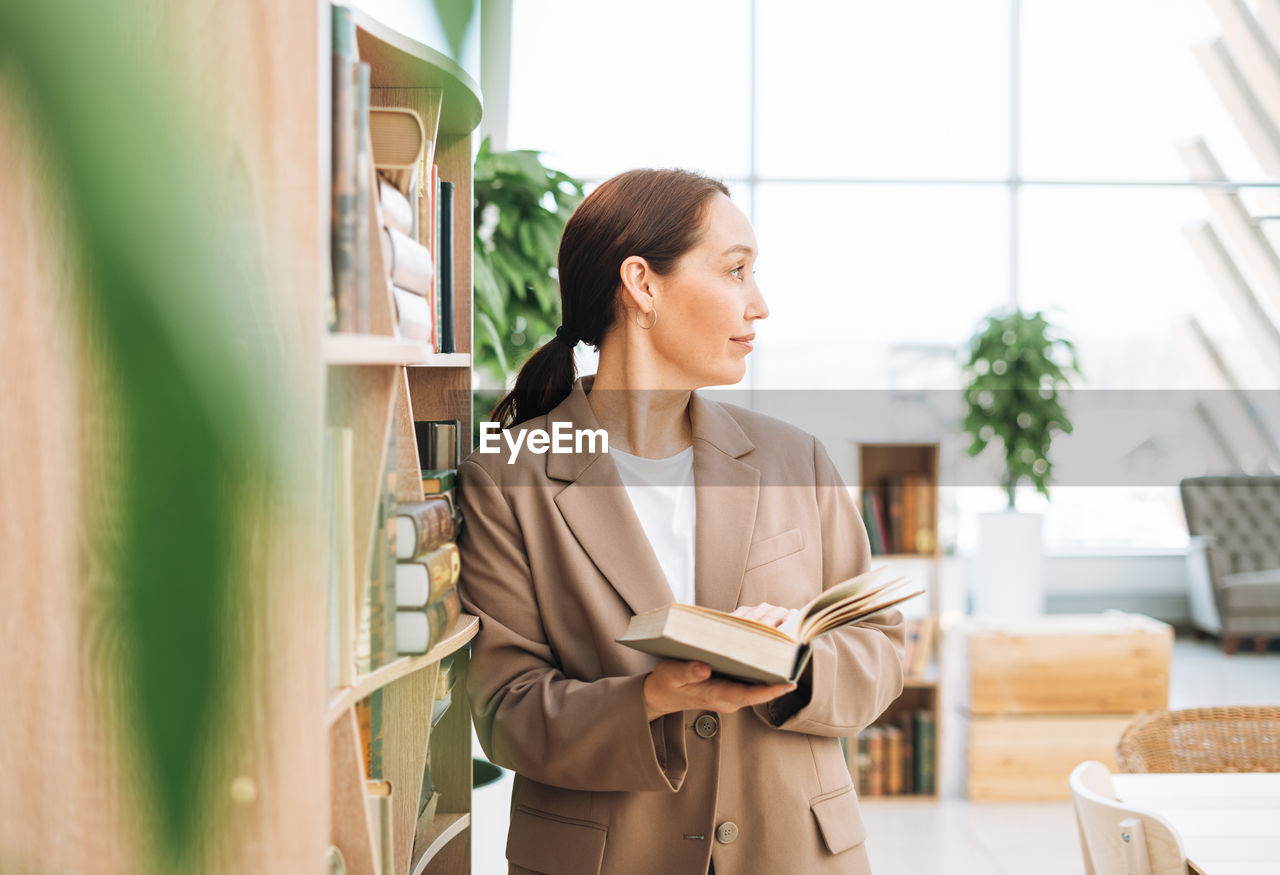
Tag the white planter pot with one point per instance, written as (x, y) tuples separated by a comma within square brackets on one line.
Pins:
[(1008, 569)]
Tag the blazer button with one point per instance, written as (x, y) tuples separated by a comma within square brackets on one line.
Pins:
[(706, 725), (726, 832)]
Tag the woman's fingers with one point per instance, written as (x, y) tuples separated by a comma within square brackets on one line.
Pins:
[(772, 615), (718, 694)]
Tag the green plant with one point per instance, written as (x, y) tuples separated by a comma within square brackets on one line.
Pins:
[(520, 211), (1017, 365), (164, 279)]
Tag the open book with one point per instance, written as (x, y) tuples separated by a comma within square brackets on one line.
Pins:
[(753, 652)]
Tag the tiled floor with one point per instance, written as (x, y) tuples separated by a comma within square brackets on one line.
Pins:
[(954, 836)]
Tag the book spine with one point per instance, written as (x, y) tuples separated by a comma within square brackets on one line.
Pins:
[(925, 738), (863, 770), (442, 614), (892, 761), (364, 196), (433, 244), (432, 524), (397, 212), (410, 265), (882, 519), (908, 764), (909, 523), (343, 209), (444, 263), (875, 757), (893, 509), (869, 520), (443, 568), (420, 629)]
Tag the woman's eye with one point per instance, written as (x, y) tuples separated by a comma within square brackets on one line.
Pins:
[(737, 271)]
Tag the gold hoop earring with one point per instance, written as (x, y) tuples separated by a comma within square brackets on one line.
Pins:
[(652, 321)]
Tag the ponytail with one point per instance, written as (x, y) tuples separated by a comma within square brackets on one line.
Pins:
[(544, 381), (655, 214)]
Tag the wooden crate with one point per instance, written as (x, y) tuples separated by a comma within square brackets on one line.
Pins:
[(1030, 757), (1069, 664)]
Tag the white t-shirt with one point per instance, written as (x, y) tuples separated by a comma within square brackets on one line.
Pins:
[(661, 491)]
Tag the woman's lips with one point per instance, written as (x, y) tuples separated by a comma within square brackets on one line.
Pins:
[(744, 340)]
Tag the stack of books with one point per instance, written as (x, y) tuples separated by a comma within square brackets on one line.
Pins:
[(398, 142), (427, 603), (895, 758)]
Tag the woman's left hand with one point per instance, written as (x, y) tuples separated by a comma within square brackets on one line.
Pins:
[(770, 615)]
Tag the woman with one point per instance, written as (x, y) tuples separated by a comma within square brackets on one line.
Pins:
[(623, 765)]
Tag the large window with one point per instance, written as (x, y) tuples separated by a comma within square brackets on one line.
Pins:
[(911, 167)]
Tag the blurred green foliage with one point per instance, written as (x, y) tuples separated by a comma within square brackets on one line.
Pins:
[(167, 280), (1018, 363), (520, 211)]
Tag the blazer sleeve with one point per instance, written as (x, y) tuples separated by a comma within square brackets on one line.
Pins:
[(529, 717), (855, 672)]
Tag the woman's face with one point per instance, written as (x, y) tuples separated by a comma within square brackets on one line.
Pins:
[(708, 304)]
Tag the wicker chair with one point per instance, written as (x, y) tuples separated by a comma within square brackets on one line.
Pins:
[(1235, 739)]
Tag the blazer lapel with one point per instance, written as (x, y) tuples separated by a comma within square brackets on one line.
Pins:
[(726, 491), (597, 509)]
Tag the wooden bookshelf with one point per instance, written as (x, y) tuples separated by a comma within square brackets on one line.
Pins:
[(379, 383), (905, 475)]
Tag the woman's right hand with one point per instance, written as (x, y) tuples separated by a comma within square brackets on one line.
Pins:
[(675, 685)]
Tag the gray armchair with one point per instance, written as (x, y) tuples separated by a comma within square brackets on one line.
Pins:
[(1234, 570)]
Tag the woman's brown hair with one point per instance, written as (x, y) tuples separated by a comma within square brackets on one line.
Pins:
[(655, 214)]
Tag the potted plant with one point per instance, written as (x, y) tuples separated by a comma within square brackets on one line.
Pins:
[(520, 211), (1018, 363)]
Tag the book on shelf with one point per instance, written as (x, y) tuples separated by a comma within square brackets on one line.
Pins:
[(892, 764), (418, 630), (421, 526), (381, 598), (343, 172), (438, 446), (860, 767), (428, 802), (925, 740), (875, 760), (754, 652), (871, 520), (903, 510), (918, 655), (882, 759), (397, 210), (444, 267), (907, 765), (439, 482), (379, 807), (413, 315), (364, 197), (342, 562), (408, 262), (424, 581), (444, 690)]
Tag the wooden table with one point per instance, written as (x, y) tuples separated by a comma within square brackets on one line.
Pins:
[(1229, 823)]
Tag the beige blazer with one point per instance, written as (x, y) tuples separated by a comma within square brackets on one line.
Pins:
[(555, 563)]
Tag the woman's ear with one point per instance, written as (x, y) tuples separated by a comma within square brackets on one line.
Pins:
[(637, 282)]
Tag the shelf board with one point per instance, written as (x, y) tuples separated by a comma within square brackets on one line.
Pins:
[(444, 828), (345, 697), (379, 349), (399, 61)]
